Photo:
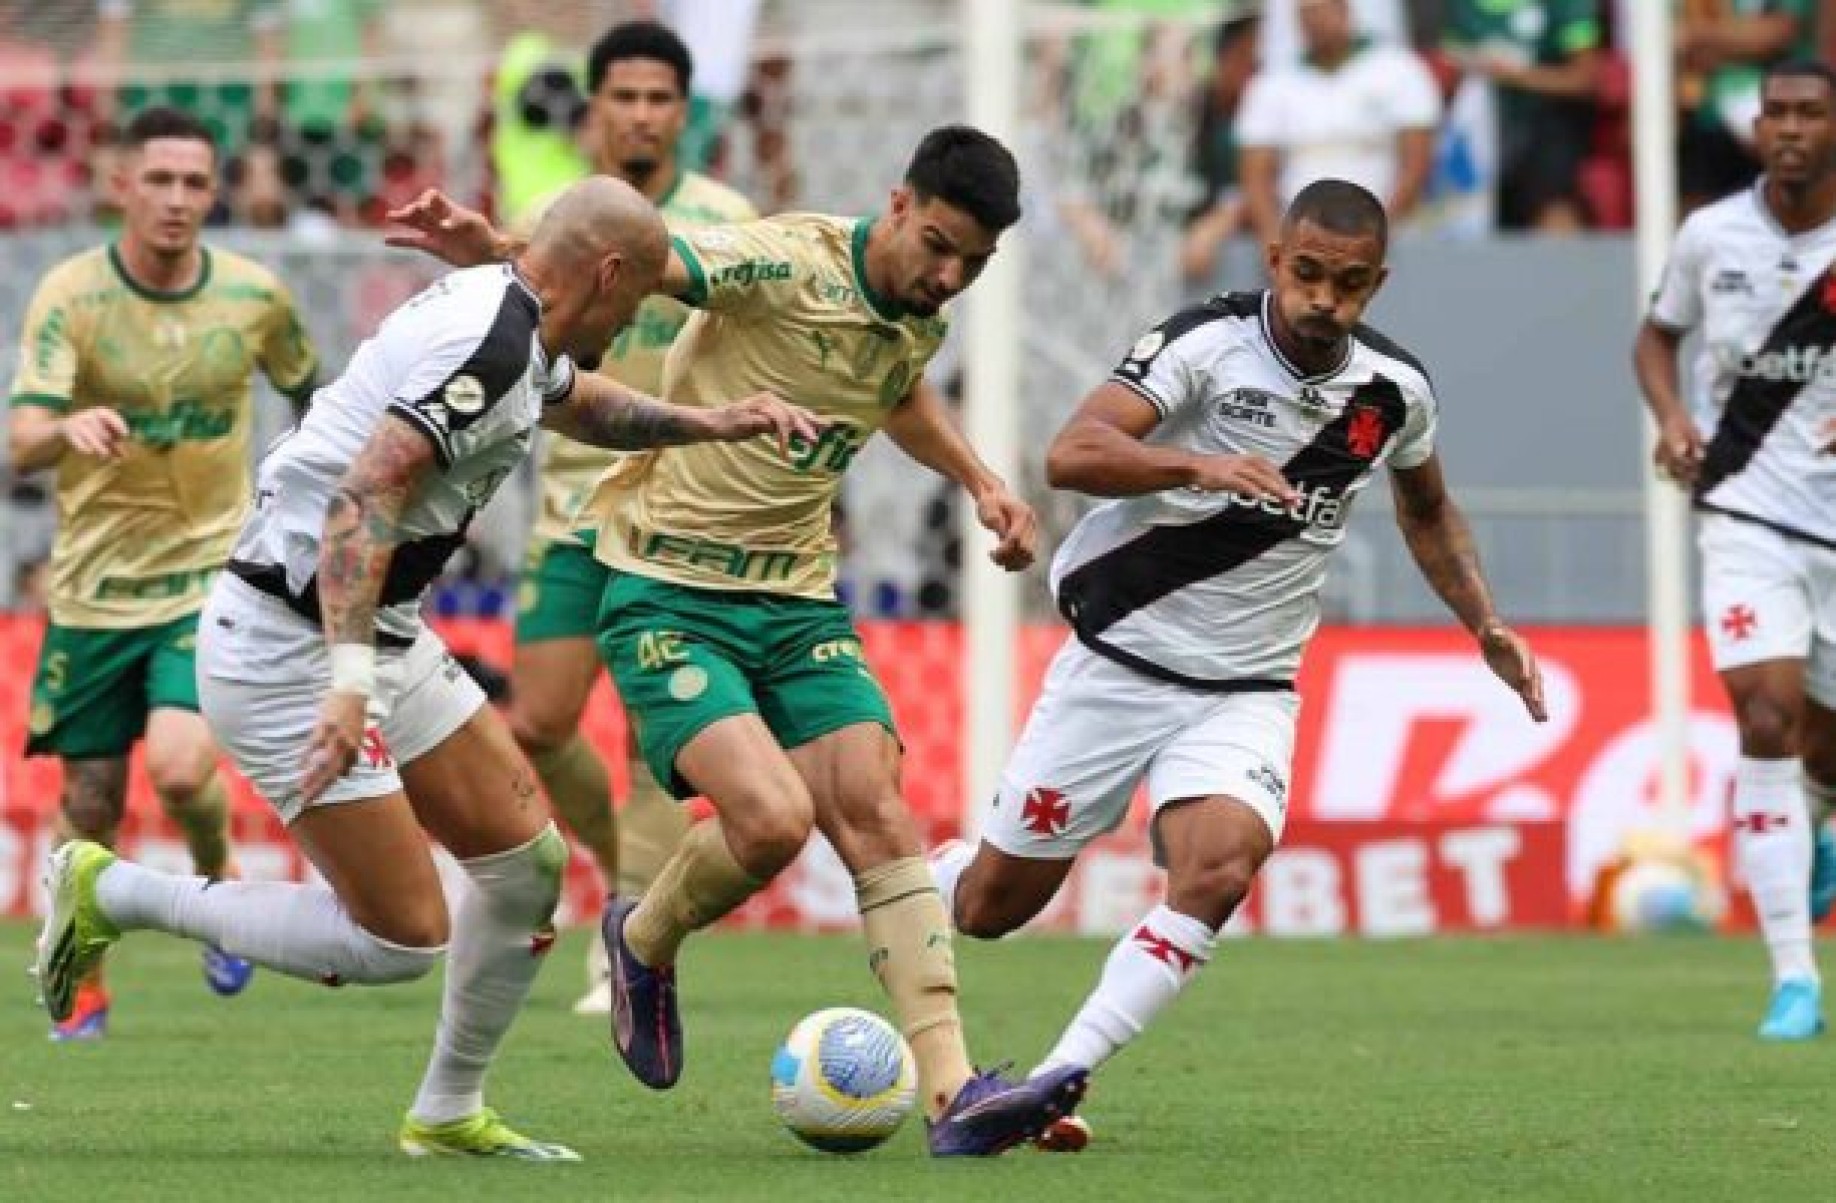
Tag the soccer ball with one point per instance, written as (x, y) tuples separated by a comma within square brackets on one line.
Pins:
[(1653, 894), (843, 1080)]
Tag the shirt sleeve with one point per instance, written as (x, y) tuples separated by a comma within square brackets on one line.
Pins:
[(47, 355), (1159, 367), (460, 375), (1416, 102), (1259, 121), (744, 269), (1677, 304), (287, 356), (1415, 441)]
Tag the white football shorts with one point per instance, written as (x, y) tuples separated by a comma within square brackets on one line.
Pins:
[(263, 672), (1099, 729), (1769, 597)]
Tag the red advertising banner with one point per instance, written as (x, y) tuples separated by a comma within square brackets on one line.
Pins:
[(1424, 799)]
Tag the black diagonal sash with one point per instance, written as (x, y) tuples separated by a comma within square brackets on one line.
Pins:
[(1755, 405), (1165, 559)]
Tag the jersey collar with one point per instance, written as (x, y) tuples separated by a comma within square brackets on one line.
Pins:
[(884, 308), (1770, 220), (1268, 336), (153, 294)]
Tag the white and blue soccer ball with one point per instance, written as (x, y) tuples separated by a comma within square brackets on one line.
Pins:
[(843, 1080)]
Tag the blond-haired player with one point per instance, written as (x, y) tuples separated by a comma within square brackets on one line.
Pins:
[(134, 385), (638, 78), (721, 626)]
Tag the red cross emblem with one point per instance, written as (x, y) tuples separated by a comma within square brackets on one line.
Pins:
[(1760, 822), (1364, 435), (541, 942), (1163, 949), (1046, 811), (1829, 292), (1737, 622), (374, 751)]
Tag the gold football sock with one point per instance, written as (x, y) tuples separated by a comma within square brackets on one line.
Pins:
[(698, 885), (204, 820), (581, 795), (649, 827), (908, 938)]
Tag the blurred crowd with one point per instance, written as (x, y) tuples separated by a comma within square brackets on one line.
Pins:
[(1467, 115)]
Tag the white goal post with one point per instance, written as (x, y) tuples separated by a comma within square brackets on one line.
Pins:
[(1654, 162)]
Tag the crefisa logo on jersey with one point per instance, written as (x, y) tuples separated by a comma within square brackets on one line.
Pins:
[(1796, 365)]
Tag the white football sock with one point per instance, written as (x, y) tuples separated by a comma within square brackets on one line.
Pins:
[(501, 933), (299, 930), (1773, 840), (947, 864), (1147, 969)]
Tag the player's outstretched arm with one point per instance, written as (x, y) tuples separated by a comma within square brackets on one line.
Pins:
[(435, 224), (604, 413), (922, 428), (1101, 451), (1442, 544), (38, 438), (362, 527)]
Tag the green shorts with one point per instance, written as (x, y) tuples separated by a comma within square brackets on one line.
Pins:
[(558, 596), (685, 658), (95, 688)]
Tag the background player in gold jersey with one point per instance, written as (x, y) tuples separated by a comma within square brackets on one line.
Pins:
[(741, 669), (638, 76), (135, 384)]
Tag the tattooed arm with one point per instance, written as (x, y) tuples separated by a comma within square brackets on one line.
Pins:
[(1442, 544), (604, 413), (361, 530)]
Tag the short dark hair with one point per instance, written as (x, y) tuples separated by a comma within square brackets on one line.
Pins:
[(1801, 68), (639, 39), (966, 168), (164, 121), (1340, 207)]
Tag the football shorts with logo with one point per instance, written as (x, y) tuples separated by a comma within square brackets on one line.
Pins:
[(685, 658), (1768, 596), (95, 687), (1100, 730), (264, 671)]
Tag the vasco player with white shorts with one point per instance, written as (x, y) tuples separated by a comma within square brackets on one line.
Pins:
[(1755, 274), (345, 711), (1234, 438)]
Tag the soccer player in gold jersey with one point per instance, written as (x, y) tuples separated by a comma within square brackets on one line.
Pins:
[(135, 386), (638, 78), (742, 671)]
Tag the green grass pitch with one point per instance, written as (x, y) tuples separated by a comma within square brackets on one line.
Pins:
[(1559, 1069)]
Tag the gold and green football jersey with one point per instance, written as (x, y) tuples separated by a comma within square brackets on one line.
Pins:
[(139, 538), (784, 306), (570, 469)]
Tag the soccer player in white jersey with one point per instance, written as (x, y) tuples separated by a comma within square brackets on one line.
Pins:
[(1755, 275), (345, 711), (1233, 440)]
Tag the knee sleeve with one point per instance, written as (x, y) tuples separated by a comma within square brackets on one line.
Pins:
[(522, 886)]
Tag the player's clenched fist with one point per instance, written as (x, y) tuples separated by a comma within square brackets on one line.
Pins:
[(1013, 522), (764, 413), (445, 230), (1250, 475), (99, 432), (1679, 451)]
